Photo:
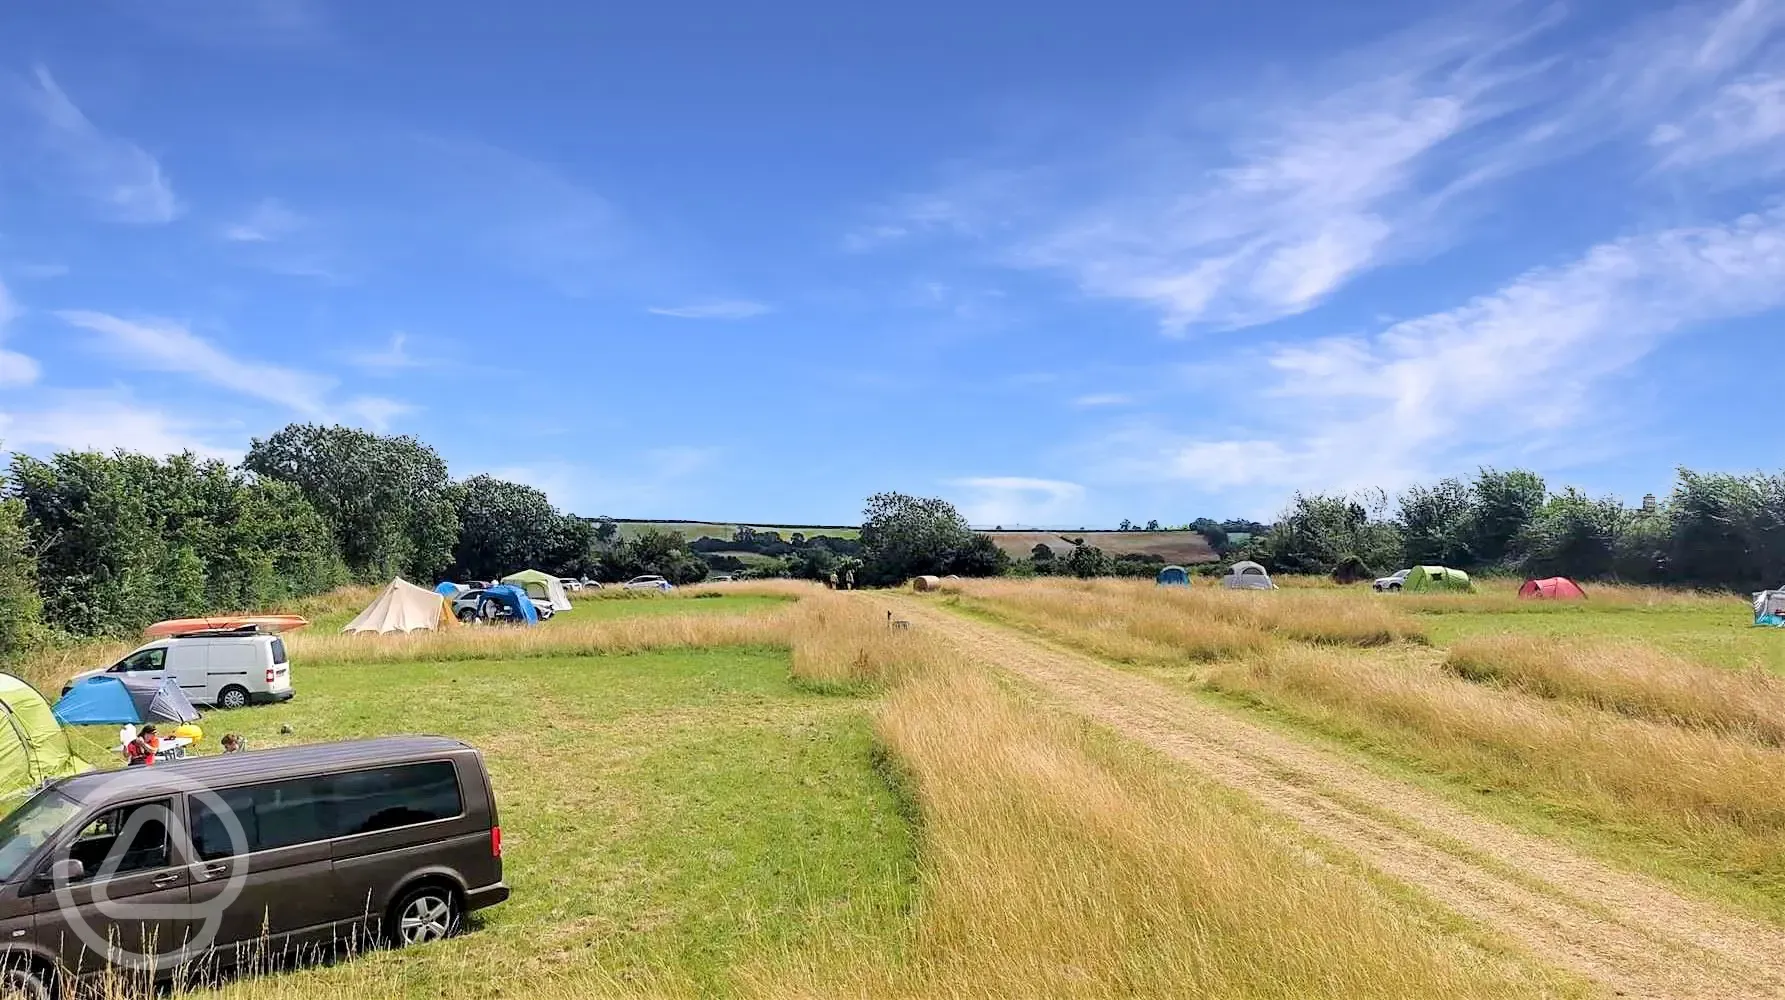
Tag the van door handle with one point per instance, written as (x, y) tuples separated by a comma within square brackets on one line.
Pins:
[(212, 871), (163, 881)]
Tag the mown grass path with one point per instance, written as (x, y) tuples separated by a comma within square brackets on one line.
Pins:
[(1632, 935)]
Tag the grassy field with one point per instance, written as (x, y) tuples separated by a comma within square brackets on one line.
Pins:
[(1639, 725), (748, 795), (714, 529)]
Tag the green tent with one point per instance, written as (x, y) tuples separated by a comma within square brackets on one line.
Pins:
[(1434, 578), (33, 746)]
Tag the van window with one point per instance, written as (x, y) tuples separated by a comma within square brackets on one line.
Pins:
[(29, 826), (143, 659), (274, 815), (132, 838), (304, 810), (278, 650), (389, 797)]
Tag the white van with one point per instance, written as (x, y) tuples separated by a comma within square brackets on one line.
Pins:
[(228, 671)]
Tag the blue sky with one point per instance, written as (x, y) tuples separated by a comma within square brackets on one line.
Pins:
[(1061, 263)]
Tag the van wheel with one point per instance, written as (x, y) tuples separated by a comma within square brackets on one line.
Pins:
[(233, 696), (27, 979), (427, 913), (466, 614)]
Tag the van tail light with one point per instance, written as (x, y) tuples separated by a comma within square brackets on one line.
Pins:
[(495, 841), (269, 675)]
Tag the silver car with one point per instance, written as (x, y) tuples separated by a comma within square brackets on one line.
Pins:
[(649, 583), (1392, 582)]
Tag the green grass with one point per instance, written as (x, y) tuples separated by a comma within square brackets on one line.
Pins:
[(585, 607), (667, 817), (1721, 634)]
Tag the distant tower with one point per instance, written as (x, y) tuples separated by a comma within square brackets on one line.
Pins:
[(1649, 503)]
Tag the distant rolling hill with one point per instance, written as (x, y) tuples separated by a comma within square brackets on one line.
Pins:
[(719, 529), (1181, 547)]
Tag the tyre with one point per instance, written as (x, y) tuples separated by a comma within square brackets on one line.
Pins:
[(233, 696), (425, 913), (1394, 588), (466, 614), (27, 980)]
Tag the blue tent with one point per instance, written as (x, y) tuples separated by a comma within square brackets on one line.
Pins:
[(449, 590), (513, 598), (1174, 576), (114, 700)]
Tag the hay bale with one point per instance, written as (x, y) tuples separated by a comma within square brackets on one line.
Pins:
[(924, 584)]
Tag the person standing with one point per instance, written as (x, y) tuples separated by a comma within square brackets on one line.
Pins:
[(833, 581), (849, 579)]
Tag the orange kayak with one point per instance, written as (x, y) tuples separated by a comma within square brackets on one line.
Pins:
[(265, 623)]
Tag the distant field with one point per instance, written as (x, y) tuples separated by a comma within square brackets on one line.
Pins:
[(1182, 547), (713, 529)]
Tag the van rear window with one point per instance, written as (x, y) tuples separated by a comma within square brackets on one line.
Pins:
[(304, 810), (278, 650)]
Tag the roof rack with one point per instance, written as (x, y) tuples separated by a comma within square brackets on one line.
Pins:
[(219, 633)]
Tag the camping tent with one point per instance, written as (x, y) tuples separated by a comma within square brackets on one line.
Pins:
[(1247, 575), (32, 746), (450, 590), (542, 588), (1556, 588), (510, 597), (1173, 576), (1769, 607), (403, 607), (1436, 578), (112, 699)]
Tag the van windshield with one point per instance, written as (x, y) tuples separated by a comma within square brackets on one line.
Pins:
[(30, 825)]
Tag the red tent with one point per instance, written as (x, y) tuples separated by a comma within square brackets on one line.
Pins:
[(1556, 588)]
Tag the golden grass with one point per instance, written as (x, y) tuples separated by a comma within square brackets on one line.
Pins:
[(567, 638), (1630, 678), (1059, 862), (1137, 621), (1719, 798), (846, 642), (1500, 596)]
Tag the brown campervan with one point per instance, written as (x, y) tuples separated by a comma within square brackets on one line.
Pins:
[(216, 859)]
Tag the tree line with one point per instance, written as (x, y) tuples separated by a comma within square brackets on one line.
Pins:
[(1712, 531), (103, 544)]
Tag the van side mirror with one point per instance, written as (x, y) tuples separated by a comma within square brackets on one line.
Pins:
[(64, 871)]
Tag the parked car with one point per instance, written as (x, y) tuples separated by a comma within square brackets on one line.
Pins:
[(227, 669), (570, 583), (467, 605), (393, 839), (1391, 582), (649, 583)]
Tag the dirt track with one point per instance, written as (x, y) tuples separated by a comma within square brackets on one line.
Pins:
[(1632, 935)]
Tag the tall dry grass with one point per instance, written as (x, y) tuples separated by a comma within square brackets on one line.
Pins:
[(1058, 862), (1631, 679), (1136, 621), (847, 643), (560, 638), (1500, 596), (1720, 800)]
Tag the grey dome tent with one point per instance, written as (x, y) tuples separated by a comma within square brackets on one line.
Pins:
[(1247, 575), (1173, 576)]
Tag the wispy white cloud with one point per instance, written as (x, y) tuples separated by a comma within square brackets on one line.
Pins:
[(41, 271), (1516, 371), (1018, 500), (394, 356), (103, 421), (1745, 118), (1236, 209), (160, 345), (1097, 399), (15, 369), (122, 179), (268, 221), (726, 309)]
